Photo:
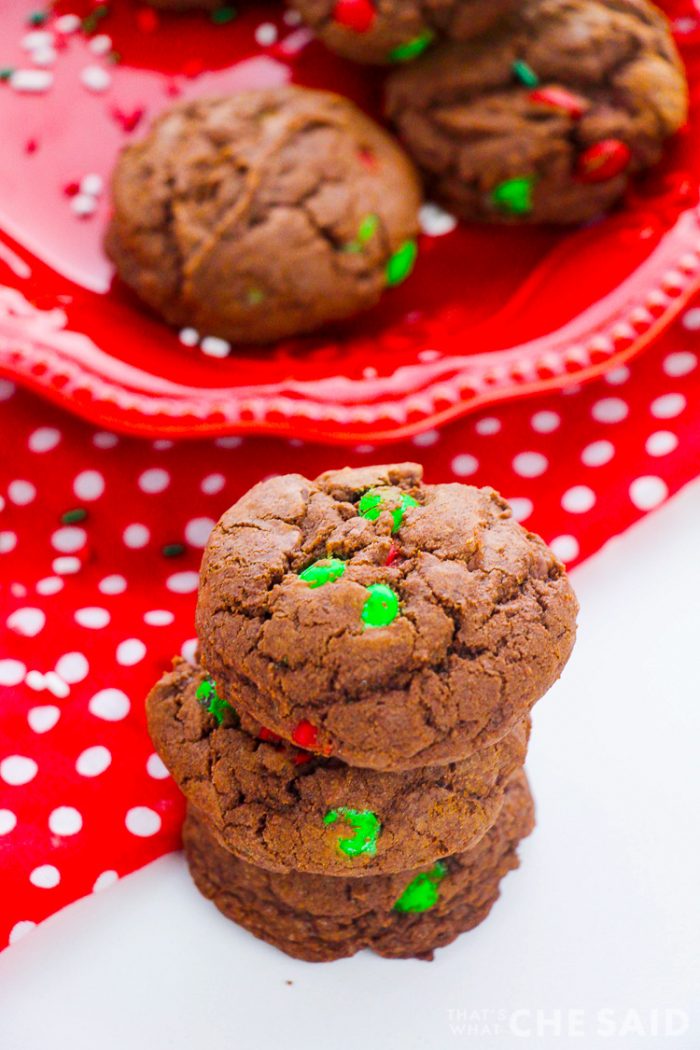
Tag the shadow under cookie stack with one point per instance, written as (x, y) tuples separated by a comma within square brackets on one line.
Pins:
[(351, 745)]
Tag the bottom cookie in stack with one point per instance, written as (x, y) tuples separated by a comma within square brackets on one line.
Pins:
[(320, 917)]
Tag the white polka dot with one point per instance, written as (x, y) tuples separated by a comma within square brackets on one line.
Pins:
[(530, 464), (17, 769), (112, 584), (103, 439), (668, 406), (89, 485), (7, 389), (680, 363), (598, 453), (130, 652), (27, 622), (648, 492), (93, 761), (8, 821), (661, 443), (464, 465), (66, 565), (158, 617), (142, 821), (521, 506), (110, 704), (266, 34), (65, 820), (45, 877), (21, 492), (154, 480), (487, 426), (92, 616), (231, 441), (578, 500), (189, 650), (69, 539), (691, 319), (41, 719), (20, 930), (11, 672), (565, 547), (426, 440), (197, 531), (545, 422), (155, 768), (72, 667), (182, 582), (44, 439), (617, 376), (49, 585), (136, 536), (610, 410), (104, 881), (8, 541), (212, 484), (435, 221)]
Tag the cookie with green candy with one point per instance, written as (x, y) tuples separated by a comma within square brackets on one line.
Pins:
[(402, 915), (406, 624), (285, 808), (546, 117), (382, 32)]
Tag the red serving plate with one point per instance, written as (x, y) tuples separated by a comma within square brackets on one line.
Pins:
[(488, 314)]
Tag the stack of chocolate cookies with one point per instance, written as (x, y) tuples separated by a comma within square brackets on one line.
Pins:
[(351, 744)]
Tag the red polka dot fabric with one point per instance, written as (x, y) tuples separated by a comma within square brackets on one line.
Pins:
[(100, 541)]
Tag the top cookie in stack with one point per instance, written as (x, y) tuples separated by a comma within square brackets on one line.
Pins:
[(386, 622)]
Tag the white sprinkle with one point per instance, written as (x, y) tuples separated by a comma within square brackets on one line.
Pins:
[(83, 205), (95, 79), (100, 44), (67, 24), (435, 221), (44, 56), (50, 584), (31, 81), (35, 680), (38, 38), (56, 685), (212, 346), (66, 565), (189, 336), (266, 34), (92, 184)]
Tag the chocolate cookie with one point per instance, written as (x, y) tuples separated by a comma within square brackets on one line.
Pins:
[(544, 118), (380, 31), (318, 918), (389, 623), (282, 808), (263, 214)]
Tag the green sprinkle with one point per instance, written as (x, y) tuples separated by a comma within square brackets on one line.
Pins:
[(412, 48), (6, 72), (381, 606), (208, 696), (92, 21), (70, 517), (223, 15), (37, 18), (514, 195), (422, 893), (173, 550), (525, 74), (321, 572), (255, 296), (371, 506), (366, 231), (114, 57), (365, 825), (401, 263)]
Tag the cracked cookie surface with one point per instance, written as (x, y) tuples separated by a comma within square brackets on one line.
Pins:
[(544, 118), (320, 918), (482, 621), (281, 808), (263, 214), (381, 31)]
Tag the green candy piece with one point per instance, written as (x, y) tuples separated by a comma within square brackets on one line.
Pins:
[(381, 606), (370, 507), (365, 232), (525, 74), (412, 48), (514, 195), (70, 517), (365, 825), (401, 263), (208, 696), (422, 893), (323, 572)]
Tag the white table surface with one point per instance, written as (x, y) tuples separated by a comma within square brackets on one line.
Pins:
[(596, 938)]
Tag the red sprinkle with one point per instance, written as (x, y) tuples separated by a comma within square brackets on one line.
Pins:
[(146, 20), (560, 99), (368, 158), (31, 146), (358, 15), (71, 188), (269, 736), (392, 555), (128, 121), (602, 161), (305, 735), (302, 757)]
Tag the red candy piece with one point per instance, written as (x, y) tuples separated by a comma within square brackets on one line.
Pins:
[(305, 735), (602, 161), (358, 15), (392, 556), (560, 99), (301, 758), (269, 736)]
